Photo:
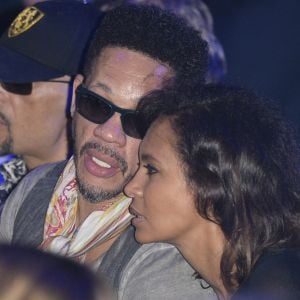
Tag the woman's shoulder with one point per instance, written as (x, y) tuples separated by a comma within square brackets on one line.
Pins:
[(276, 275)]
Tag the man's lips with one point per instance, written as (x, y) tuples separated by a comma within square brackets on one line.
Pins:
[(103, 160), (99, 164)]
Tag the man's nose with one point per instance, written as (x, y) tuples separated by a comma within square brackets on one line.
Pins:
[(112, 131)]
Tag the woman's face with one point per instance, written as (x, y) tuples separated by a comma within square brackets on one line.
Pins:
[(163, 205)]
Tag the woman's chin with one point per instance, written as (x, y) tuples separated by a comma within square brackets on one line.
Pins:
[(143, 238)]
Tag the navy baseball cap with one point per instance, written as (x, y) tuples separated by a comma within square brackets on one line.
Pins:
[(47, 40)]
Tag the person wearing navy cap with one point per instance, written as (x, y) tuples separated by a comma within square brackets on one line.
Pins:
[(40, 53)]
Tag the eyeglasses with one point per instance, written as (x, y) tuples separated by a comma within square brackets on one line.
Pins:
[(24, 88), (98, 110)]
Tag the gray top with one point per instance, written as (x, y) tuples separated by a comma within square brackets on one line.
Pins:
[(155, 271)]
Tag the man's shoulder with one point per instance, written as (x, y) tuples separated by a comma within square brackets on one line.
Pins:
[(26, 205)]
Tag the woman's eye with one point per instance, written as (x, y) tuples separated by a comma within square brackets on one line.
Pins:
[(150, 169)]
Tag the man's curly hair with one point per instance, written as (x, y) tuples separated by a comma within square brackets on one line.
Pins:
[(156, 33)]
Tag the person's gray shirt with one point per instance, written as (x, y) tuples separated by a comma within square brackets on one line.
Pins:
[(155, 271)]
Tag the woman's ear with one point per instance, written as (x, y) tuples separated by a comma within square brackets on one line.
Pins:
[(77, 81)]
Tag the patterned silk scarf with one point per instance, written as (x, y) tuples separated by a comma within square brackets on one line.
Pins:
[(60, 233)]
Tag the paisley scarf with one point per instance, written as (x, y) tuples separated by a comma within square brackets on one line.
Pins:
[(62, 236)]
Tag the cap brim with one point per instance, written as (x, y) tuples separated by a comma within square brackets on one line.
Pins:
[(16, 67)]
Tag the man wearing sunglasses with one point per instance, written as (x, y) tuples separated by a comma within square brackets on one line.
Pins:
[(77, 208), (40, 53)]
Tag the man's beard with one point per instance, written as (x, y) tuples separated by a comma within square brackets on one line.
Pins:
[(97, 194), (6, 145)]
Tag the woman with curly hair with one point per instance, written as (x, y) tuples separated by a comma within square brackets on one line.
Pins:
[(219, 178)]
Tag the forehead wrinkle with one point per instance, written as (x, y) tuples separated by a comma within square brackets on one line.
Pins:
[(103, 86), (131, 87), (110, 90)]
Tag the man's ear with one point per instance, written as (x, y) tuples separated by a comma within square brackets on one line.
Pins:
[(77, 81)]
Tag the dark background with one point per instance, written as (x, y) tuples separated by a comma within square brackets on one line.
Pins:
[(261, 39), (8, 8)]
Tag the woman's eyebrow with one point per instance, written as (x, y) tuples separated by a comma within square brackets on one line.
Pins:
[(148, 157)]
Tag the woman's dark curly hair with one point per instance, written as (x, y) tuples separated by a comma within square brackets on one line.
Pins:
[(156, 33), (242, 162)]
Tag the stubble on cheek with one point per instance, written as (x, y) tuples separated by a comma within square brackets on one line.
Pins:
[(95, 193), (6, 141)]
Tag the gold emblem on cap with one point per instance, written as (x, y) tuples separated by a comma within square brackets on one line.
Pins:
[(25, 20)]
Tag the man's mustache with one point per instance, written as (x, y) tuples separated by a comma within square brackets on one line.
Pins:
[(107, 151)]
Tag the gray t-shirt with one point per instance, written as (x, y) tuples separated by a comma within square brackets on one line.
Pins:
[(155, 271)]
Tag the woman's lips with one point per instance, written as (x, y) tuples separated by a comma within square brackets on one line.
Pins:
[(137, 217)]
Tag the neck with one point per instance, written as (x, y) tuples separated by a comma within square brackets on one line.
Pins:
[(208, 266), (59, 151), (205, 256), (85, 208)]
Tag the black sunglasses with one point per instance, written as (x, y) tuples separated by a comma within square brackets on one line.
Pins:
[(23, 88), (98, 110)]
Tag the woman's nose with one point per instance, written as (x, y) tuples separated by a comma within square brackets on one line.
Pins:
[(133, 188)]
